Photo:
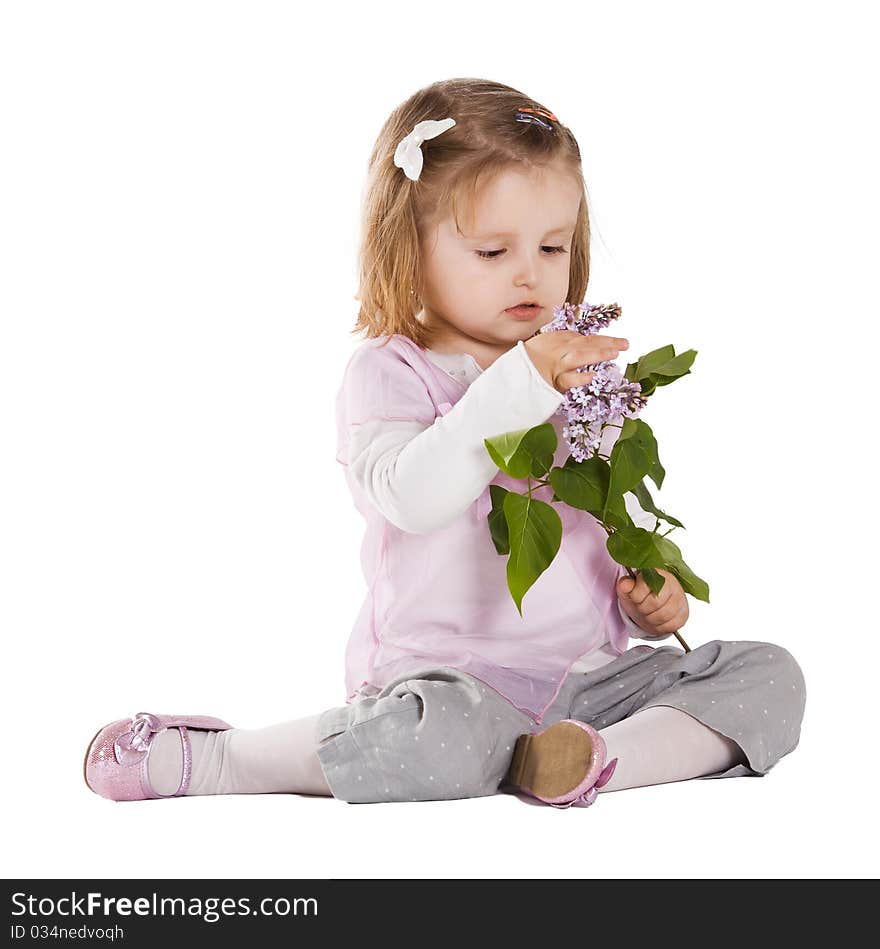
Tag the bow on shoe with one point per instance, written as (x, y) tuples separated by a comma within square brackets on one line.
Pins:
[(587, 798), (131, 746)]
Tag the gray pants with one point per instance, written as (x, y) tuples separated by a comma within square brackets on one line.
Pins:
[(439, 734)]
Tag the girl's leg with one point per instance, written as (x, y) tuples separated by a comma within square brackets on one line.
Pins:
[(725, 709), (435, 734), (655, 746), (281, 758), (662, 744), (432, 734)]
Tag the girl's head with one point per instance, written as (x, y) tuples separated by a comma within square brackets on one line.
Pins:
[(497, 216)]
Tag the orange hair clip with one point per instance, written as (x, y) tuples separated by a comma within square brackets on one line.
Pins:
[(549, 115)]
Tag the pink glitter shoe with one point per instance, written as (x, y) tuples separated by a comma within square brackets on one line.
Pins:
[(562, 765), (115, 765)]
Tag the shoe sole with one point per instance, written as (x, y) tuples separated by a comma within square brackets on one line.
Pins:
[(552, 763)]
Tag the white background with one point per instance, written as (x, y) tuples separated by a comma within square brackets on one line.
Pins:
[(180, 207)]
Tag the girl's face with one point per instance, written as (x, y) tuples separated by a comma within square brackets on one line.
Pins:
[(517, 251)]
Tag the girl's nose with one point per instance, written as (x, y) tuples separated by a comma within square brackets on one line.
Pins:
[(527, 271)]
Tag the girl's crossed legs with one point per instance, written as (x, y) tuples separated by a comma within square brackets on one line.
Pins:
[(723, 710)]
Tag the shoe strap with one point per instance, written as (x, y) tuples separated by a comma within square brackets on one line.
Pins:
[(186, 775), (187, 761)]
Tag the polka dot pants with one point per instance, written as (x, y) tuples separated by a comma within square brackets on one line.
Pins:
[(441, 734)]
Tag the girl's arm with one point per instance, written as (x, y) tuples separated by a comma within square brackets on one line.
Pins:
[(422, 477), (383, 440)]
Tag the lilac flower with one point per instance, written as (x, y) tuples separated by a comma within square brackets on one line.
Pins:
[(608, 398)]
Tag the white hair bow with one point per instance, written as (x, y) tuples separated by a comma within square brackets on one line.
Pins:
[(408, 155)]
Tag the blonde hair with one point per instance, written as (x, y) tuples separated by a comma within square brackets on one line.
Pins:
[(485, 141)]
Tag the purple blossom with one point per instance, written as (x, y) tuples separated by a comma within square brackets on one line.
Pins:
[(608, 398)]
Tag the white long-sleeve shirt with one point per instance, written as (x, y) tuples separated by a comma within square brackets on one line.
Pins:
[(398, 463)]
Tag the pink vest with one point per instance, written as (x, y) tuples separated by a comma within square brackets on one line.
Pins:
[(441, 598)]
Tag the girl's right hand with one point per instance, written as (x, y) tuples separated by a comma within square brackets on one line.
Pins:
[(558, 354)]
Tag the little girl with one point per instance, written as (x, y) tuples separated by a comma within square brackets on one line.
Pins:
[(450, 692)]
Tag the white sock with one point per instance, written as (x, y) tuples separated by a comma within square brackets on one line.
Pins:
[(662, 744), (280, 758)]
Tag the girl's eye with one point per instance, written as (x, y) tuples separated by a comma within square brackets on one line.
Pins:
[(492, 254)]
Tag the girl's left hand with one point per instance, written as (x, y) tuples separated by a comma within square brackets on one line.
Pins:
[(659, 615)]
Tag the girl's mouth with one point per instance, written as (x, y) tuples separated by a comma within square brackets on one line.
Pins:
[(524, 312)]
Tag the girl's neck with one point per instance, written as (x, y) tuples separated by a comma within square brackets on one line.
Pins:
[(450, 342)]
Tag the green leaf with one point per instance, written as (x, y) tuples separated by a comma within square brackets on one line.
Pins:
[(659, 368), (523, 453), (535, 532), (647, 385), (583, 484), (675, 564), (615, 513), (662, 362), (630, 459), (497, 520), (635, 547), (645, 551), (646, 502), (654, 579), (502, 449), (659, 380), (633, 456), (649, 443), (677, 366), (541, 463)]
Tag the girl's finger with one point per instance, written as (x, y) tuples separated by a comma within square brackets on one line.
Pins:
[(662, 614), (637, 593), (675, 623), (647, 600), (667, 592), (669, 597), (569, 380)]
